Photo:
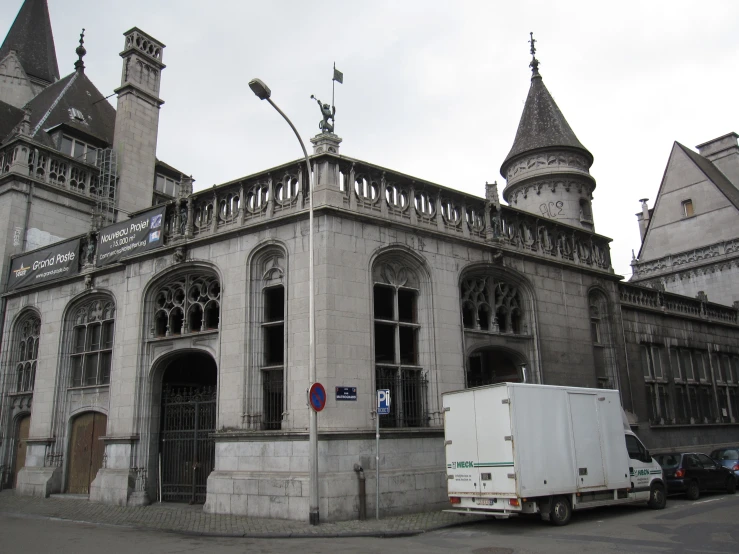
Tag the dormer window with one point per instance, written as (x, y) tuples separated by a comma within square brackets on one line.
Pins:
[(687, 208), (166, 185), (79, 150), (75, 114)]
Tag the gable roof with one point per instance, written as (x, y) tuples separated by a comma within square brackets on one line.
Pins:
[(714, 174), (31, 38), (542, 125), (53, 106)]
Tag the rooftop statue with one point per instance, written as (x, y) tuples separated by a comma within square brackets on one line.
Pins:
[(328, 112)]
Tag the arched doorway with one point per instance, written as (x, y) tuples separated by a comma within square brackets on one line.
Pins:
[(494, 365), (188, 418), (86, 451), (22, 426)]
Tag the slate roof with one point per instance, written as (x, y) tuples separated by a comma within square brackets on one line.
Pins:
[(73, 91), (714, 174), (542, 125), (31, 38), (10, 116)]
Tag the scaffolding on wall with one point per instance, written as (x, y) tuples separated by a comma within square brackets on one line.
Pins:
[(107, 192)]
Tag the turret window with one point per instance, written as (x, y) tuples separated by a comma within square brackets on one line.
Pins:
[(586, 210)]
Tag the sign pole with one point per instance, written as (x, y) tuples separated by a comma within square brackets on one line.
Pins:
[(377, 461), (383, 408)]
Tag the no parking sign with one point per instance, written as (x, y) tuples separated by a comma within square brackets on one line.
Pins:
[(317, 396)]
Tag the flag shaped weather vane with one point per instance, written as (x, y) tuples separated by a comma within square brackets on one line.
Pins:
[(328, 112)]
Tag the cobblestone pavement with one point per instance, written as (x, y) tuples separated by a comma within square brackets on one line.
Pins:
[(181, 518)]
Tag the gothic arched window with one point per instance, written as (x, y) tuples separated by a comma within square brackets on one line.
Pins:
[(91, 349), (493, 305), (269, 350), (397, 296), (187, 303), (26, 352), (600, 335)]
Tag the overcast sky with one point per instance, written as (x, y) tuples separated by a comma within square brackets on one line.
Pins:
[(434, 89)]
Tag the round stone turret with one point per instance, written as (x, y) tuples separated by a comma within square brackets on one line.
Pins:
[(547, 171)]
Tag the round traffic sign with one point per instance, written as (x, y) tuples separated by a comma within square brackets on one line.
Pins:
[(317, 396)]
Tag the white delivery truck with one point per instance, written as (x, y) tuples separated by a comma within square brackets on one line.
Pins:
[(526, 449)]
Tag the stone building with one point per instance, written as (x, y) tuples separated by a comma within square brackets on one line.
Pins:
[(690, 239), (174, 366)]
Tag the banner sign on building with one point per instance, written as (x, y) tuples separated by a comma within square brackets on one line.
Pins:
[(138, 234), (54, 262)]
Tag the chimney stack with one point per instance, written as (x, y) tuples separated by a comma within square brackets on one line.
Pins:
[(137, 120), (643, 218), (724, 153)]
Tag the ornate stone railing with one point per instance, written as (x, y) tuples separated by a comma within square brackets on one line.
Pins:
[(341, 184), (684, 260), (244, 202), (374, 190), (50, 166), (645, 297), (355, 186)]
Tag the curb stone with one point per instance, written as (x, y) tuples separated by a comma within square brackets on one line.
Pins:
[(192, 522)]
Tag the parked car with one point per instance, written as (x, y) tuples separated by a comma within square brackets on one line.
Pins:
[(693, 473), (728, 457)]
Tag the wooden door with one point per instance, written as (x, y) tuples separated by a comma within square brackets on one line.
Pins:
[(21, 437), (86, 451)]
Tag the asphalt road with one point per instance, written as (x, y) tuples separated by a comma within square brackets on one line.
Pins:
[(709, 525)]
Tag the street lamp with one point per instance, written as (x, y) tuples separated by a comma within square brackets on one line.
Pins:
[(263, 93)]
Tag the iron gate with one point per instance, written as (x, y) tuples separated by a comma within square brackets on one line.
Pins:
[(188, 450)]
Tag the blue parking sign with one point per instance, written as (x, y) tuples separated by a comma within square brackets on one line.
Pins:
[(383, 401)]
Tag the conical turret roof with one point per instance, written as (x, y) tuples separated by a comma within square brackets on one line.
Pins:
[(31, 38), (542, 125)]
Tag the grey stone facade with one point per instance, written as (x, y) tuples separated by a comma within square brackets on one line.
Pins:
[(418, 288)]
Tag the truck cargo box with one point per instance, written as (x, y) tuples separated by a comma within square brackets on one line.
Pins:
[(524, 440)]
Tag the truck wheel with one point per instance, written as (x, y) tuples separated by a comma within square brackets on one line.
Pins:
[(693, 491), (561, 511), (730, 485), (657, 497)]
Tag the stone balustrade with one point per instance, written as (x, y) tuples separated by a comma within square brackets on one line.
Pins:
[(50, 166), (675, 304), (342, 184), (358, 187)]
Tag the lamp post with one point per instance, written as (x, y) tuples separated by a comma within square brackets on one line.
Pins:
[(263, 93)]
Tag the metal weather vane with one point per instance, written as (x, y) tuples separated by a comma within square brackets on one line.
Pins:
[(534, 65)]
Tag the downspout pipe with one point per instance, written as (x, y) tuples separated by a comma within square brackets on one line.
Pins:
[(362, 492), (29, 202)]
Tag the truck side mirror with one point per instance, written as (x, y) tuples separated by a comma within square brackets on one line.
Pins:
[(647, 457)]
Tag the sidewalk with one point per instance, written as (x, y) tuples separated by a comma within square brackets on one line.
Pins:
[(181, 518)]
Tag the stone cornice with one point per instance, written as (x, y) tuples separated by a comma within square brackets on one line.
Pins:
[(712, 254), (131, 88)]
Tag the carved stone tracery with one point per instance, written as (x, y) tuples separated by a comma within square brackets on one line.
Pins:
[(492, 305), (186, 304), (27, 341)]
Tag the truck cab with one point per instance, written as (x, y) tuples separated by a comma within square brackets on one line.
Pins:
[(643, 469)]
